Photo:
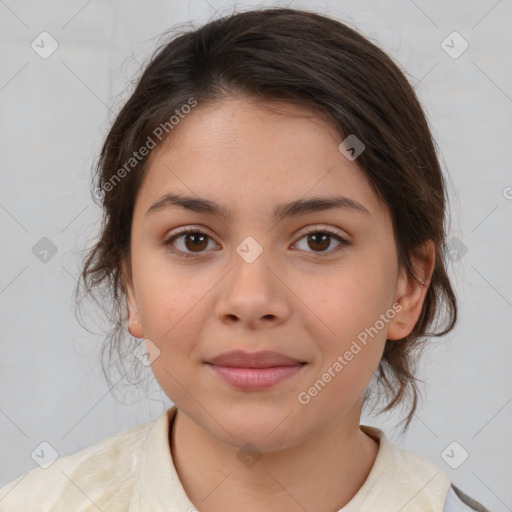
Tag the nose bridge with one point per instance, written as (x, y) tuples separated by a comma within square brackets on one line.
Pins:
[(252, 290), (251, 264)]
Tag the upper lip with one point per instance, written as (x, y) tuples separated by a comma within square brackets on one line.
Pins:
[(263, 359)]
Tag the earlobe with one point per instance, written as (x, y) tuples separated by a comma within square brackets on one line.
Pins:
[(132, 312), (134, 325), (410, 293)]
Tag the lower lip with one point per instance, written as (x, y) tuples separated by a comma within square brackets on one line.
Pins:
[(255, 378)]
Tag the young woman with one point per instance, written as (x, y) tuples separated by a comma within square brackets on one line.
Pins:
[(273, 233)]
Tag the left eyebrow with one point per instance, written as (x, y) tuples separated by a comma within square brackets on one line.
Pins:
[(291, 209)]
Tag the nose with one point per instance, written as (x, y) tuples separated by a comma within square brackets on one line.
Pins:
[(254, 294)]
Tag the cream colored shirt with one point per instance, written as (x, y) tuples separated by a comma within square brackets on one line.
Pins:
[(134, 471)]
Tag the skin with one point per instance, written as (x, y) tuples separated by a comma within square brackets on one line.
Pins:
[(239, 154)]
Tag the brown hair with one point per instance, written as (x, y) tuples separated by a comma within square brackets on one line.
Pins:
[(315, 62)]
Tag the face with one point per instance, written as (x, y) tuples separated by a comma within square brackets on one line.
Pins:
[(307, 285)]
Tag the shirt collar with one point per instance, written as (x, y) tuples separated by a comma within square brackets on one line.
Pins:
[(399, 479), (157, 485)]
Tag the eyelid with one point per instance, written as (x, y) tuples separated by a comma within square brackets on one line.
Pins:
[(315, 228)]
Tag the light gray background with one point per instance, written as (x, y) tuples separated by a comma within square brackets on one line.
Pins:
[(54, 114)]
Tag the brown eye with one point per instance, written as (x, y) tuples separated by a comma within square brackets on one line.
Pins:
[(188, 242), (191, 242), (320, 240), (195, 241)]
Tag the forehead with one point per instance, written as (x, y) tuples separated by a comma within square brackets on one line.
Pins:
[(245, 154)]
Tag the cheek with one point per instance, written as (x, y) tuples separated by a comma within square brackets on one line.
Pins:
[(172, 313), (340, 384), (345, 304), (350, 335), (166, 293), (350, 338)]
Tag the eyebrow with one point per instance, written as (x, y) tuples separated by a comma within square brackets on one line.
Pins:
[(292, 209)]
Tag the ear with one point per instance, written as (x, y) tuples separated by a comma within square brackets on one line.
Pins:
[(132, 312), (411, 294)]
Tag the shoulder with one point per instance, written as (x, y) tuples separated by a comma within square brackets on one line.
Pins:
[(407, 481), (458, 501), (402, 479), (84, 480)]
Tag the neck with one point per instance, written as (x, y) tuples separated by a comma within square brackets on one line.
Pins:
[(322, 473)]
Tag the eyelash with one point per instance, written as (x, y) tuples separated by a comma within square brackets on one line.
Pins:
[(195, 231)]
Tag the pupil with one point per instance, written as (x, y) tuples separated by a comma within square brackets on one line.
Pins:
[(323, 237), (194, 243)]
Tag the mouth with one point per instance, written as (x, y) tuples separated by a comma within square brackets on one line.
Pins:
[(255, 379), (254, 371)]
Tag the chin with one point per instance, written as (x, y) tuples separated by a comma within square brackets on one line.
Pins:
[(269, 432)]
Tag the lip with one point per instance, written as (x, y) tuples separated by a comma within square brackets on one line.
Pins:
[(254, 371), (255, 379), (261, 359)]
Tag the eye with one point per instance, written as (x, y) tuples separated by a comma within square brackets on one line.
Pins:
[(320, 239), (191, 239)]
